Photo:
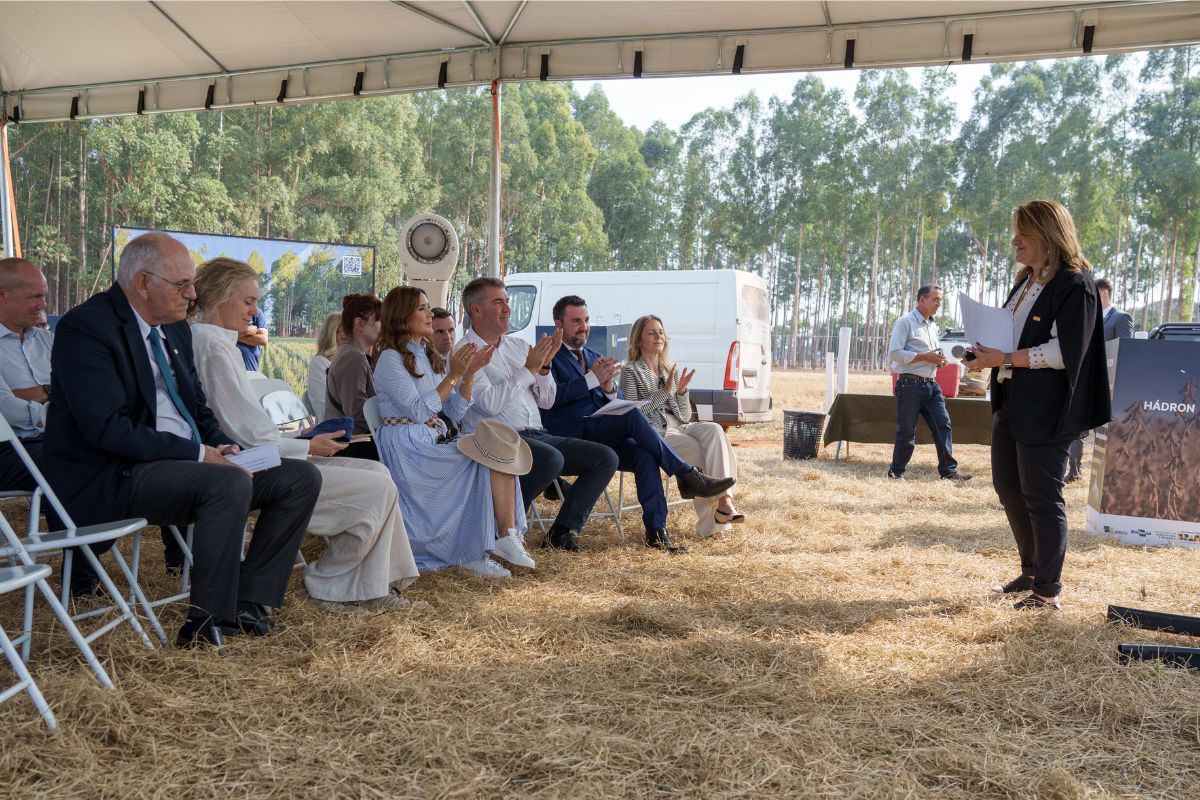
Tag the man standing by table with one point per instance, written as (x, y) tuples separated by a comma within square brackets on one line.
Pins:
[(916, 356)]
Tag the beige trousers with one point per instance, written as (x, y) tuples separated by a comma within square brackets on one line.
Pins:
[(704, 445), (367, 546)]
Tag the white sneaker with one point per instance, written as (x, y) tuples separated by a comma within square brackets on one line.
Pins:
[(486, 568), (512, 549)]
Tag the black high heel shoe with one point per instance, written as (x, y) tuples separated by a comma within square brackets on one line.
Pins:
[(735, 517)]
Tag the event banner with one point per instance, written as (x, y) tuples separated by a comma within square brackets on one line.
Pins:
[(302, 281), (1144, 487)]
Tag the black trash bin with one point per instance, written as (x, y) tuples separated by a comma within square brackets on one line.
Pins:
[(802, 434)]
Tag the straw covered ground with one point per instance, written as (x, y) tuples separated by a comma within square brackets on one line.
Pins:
[(841, 644)]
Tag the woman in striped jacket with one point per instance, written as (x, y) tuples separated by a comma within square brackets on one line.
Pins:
[(649, 375)]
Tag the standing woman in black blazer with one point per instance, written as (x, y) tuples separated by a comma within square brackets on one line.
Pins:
[(1046, 393)]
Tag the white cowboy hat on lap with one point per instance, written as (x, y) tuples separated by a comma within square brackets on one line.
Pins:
[(497, 446)]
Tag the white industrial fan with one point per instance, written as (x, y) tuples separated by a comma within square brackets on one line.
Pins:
[(429, 252)]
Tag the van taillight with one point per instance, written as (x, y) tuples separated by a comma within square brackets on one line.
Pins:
[(733, 366)]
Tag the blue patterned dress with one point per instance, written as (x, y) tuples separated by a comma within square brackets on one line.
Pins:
[(445, 497)]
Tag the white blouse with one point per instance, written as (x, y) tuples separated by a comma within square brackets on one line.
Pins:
[(1042, 356), (227, 386)]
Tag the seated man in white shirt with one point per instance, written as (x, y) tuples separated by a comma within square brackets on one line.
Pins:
[(511, 389), (24, 365), (24, 348)]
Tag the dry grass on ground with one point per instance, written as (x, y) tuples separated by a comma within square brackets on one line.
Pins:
[(842, 644)]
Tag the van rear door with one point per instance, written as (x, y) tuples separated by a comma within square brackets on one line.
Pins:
[(754, 346)]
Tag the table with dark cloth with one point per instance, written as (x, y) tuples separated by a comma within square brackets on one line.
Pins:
[(872, 418)]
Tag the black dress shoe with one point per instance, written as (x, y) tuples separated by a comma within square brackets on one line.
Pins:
[(84, 584), (254, 620), (552, 494), (562, 538), (658, 538), (696, 484), (1021, 583), (201, 632)]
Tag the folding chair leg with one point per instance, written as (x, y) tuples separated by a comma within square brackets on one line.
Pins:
[(25, 681), (27, 624), (136, 590), (65, 620), (116, 595), (615, 514)]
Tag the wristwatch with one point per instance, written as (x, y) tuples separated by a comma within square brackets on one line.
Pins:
[(1008, 361)]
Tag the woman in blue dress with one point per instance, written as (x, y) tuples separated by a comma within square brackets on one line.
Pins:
[(458, 510)]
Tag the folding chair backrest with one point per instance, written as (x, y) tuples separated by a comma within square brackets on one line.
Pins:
[(280, 402), (7, 435), (371, 414)]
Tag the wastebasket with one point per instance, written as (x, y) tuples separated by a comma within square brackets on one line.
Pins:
[(802, 434)]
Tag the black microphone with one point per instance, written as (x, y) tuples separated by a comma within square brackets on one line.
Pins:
[(960, 352)]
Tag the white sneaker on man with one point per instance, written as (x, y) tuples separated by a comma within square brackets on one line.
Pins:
[(512, 549), (486, 568)]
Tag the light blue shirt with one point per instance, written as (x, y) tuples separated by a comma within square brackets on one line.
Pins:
[(24, 364), (912, 335)]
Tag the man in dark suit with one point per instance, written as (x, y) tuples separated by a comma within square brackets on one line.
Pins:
[(1118, 324), (129, 435), (585, 382)]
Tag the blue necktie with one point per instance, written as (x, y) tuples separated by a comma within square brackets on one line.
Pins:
[(160, 358)]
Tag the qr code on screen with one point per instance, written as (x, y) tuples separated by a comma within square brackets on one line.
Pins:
[(352, 265)]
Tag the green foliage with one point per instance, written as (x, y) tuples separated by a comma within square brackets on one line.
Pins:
[(287, 359)]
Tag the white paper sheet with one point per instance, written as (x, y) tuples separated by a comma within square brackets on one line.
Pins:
[(704, 412), (988, 325), (615, 408), (256, 459)]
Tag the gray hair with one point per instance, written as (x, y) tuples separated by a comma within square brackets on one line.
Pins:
[(473, 291), (927, 290), (10, 271), (140, 255)]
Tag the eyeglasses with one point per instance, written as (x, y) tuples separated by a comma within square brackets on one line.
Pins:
[(180, 286)]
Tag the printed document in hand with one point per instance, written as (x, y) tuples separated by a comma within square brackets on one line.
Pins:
[(988, 325), (615, 408), (256, 459)]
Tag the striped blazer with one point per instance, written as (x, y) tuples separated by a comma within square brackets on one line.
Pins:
[(640, 383)]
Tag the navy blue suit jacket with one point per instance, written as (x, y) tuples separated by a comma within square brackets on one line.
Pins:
[(573, 400), (103, 407)]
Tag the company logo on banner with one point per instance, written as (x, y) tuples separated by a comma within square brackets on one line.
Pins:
[(1144, 488)]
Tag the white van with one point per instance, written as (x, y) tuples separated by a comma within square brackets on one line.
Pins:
[(719, 323)]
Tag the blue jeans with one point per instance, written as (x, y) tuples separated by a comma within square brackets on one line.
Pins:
[(915, 397)]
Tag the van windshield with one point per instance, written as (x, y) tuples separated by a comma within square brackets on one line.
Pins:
[(753, 304), (520, 300)]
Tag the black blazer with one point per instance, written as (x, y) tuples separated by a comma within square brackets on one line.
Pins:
[(1057, 405), (103, 407), (572, 399)]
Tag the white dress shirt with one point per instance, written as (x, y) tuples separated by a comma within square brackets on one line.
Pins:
[(230, 396), (24, 363), (912, 335), (505, 390), (167, 418)]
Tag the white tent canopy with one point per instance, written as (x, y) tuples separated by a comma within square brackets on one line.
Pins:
[(62, 60)]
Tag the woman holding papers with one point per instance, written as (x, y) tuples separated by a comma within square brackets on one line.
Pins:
[(1045, 393), (367, 558), (459, 494), (649, 375)]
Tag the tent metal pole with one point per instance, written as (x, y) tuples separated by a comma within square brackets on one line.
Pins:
[(6, 195), (495, 258)]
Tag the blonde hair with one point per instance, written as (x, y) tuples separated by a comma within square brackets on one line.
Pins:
[(1050, 225), (635, 344), (327, 335), (216, 280)]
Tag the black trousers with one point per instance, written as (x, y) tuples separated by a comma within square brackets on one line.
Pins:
[(593, 463), (1029, 482), (13, 475), (217, 499)]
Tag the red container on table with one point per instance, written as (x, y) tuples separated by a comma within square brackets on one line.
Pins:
[(947, 379)]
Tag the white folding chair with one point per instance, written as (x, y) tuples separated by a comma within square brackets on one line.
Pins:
[(64, 542), (281, 403), (372, 416), (24, 577)]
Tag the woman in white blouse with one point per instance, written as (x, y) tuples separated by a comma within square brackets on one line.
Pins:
[(329, 339), (649, 375), (367, 558)]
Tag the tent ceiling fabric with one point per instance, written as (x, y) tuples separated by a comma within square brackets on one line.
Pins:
[(95, 59)]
